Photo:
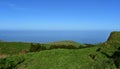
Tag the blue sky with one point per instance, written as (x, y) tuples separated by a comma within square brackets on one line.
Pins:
[(59, 14)]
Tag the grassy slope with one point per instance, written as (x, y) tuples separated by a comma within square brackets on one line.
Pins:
[(114, 36), (13, 47), (65, 43), (112, 44), (64, 59), (16, 47)]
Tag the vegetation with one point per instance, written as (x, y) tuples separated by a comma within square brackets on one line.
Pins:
[(36, 47), (60, 59), (11, 48), (62, 55)]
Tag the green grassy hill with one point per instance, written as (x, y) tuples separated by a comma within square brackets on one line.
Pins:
[(10, 48), (86, 58), (100, 56), (65, 59), (114, 36), (112, 44), (111, 48), (66, 42)]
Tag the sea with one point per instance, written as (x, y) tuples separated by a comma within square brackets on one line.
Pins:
[(46, 36)]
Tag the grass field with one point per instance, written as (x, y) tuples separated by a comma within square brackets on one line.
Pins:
[(13, 47)]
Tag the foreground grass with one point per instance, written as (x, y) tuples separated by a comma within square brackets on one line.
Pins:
[(61, 59)]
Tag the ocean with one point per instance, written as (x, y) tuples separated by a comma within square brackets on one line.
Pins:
[(43, 36)]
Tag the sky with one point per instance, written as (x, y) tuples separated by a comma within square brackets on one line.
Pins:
[(59, 14)]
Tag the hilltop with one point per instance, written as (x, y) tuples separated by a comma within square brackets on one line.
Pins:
[(114, 37), (65, 42)]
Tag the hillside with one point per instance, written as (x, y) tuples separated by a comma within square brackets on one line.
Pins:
[(47, 56), (63, 59), (111, 48), (10, 48), (86, 58), (114, 36), (65, 42)]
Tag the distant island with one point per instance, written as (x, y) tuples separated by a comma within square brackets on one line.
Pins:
[(61, 55)]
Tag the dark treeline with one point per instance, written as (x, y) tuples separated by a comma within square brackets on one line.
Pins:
[(39, 47)]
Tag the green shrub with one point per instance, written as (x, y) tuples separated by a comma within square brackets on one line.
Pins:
[(11, 62), (63, 47), (37, 47)]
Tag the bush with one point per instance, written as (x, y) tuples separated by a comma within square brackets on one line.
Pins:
[(63, 47), (37, 47), (10, 62)]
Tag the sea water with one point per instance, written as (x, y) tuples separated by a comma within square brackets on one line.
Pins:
[(43, 36)]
